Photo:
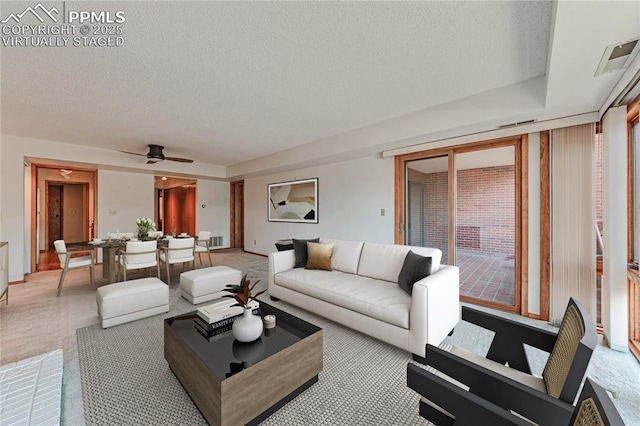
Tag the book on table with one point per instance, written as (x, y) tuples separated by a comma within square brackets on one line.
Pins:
[(223, 309), (216, 327)]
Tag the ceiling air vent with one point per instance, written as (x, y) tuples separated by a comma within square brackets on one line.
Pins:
[(617, 56), (519, 123)]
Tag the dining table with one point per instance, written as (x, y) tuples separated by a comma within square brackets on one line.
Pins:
[(110, 249)]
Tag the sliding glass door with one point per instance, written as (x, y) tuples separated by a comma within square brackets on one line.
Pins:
[(465, 201), (486, 224), (428, 204)]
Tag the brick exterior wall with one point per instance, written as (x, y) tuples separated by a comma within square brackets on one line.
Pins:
[(599, 183), (485, 210), (437, 216)]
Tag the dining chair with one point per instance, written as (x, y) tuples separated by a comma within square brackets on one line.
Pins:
[(178, 250), (155, 234), (120, 235), (138, 255), (202, 245), (67, 262)]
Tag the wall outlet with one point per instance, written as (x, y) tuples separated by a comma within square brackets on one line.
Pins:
[(254, 242), (382, 212), (113, 212)]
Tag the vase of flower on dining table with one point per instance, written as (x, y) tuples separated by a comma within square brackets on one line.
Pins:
[(145, 225)]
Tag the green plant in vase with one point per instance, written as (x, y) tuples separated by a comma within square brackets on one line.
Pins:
[(248, 327), (145, 225)]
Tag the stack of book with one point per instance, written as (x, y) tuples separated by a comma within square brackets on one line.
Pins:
[(217, 318)]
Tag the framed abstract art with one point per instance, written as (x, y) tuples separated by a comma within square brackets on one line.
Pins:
[(294, 201)]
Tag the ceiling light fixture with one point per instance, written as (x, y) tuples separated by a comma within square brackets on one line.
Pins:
[(164, 178)]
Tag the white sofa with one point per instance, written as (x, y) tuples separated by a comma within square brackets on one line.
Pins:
[(361, 292)]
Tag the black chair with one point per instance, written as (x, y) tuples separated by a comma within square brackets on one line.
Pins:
[(503, 378), (460, 408)]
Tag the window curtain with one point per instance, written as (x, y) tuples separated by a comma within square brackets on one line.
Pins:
[(573, 216)]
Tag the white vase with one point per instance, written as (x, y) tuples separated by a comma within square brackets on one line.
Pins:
[(248, 327)]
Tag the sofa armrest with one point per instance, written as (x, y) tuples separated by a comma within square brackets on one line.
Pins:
[(435, 308), (278, 262)]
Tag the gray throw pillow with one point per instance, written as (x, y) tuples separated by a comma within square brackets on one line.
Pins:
[(300, 249), (414, 268)]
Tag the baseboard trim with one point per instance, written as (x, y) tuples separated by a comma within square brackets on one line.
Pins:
[(257, 254)]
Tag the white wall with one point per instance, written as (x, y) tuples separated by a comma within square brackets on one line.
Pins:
[(615, 312), (130, 193), (534, 224), (214, 216), (1, 187), (12, 196), (350, 196)]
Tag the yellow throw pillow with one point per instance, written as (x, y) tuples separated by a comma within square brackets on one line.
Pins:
[(319, 256)]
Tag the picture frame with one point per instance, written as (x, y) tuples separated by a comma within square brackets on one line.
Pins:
[(294, 201)]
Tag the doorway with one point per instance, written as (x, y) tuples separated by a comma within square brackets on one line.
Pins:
[(237, 214), (63, 205), (466, 201), (175, 205)]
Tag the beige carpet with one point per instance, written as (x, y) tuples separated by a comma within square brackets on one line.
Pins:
[(36, 321)]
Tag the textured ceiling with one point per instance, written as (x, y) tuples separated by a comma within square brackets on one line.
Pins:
[(258, 87), (226, 82)]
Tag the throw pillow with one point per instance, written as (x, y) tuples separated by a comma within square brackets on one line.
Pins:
[(300, 249), (319, 256), (414, 268)]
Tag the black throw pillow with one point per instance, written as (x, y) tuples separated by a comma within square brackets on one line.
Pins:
[(414, 269), (300, 248)]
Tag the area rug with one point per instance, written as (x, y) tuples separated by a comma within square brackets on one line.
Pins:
[(126, 380)]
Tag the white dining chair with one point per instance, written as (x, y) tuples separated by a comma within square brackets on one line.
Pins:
[(155, 234), (67, 262), (202, 245), (138, 255), (179, 250), (120, 235)]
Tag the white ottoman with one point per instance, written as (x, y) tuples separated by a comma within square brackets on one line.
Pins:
[(201, 285), (131, 300)]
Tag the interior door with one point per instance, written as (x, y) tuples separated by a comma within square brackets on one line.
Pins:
[(237, 214), (54, 214)]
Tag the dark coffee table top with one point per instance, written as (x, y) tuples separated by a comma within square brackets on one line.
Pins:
[(224, 356)]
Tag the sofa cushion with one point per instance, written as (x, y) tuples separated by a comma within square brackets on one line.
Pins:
[(414, 268), (300, 249), (346, 254), (377, 299), (384, 261), (319, 256)]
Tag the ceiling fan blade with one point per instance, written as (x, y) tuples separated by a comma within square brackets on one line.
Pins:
[(182, 160), (134, 153)]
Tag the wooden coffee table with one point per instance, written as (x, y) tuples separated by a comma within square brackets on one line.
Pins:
[(235, 383)]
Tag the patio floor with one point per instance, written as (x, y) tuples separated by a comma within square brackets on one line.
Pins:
[(487, 277)]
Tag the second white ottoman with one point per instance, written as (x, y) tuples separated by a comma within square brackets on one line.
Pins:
[(202, 285), (131, 300)]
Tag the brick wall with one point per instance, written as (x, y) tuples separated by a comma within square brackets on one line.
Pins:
[(485, 210), (436, 215)]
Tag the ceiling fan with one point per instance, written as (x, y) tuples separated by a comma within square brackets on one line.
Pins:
[(156, 155)]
